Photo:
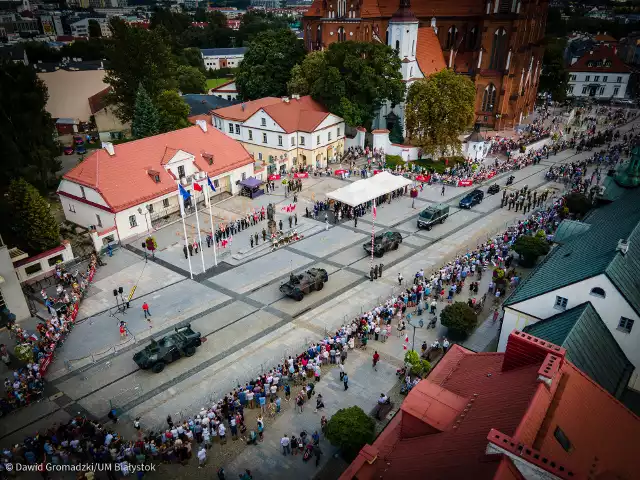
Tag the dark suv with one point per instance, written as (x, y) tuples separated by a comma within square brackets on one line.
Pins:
[(471, 199)]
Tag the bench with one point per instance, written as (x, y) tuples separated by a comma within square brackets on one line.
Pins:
[(381, 411)]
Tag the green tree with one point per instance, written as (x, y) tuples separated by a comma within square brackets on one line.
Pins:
[(352, 79), (419, 367), (578, 204), (92, 49), (191, 80), (267, 64), (255, 22), (439, 109), (193, 58), (32, 223), (173, 22), (41, 52), (172, 110), (94, 29), (26, 128), (554, 78), (145, 116), (396, 133), (459, 317), (350, 429), (530, 248), (137, 56)]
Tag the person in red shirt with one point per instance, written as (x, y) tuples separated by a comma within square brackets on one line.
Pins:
[(376, 358), (147, 314)]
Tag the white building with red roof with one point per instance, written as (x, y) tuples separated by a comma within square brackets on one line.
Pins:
[(599, 74), (284, 132), (118, 190)]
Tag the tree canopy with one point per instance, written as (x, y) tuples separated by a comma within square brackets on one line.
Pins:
[(32, 223), (28, 147), (530, 248), (145, 116), (138, 56), (191, 80), (94, 29), (578, 204), (352, 79), (350, 429), (172, 111), (554, 78), (439, 109), (267, 64), (459, 317)]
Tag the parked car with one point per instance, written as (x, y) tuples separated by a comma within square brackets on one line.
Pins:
[(78, 140), (471, 199), (432, 215), (81, 149), (68, 150), (383, 242), (182, 343), (493, 189)]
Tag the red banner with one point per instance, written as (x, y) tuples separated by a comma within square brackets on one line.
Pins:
[(301, 175), (465, 183), (375, 172), (340, 172), (274, 177), (423, 178), (491, 174)]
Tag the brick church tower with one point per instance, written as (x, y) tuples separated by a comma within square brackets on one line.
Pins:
[(497, 43)]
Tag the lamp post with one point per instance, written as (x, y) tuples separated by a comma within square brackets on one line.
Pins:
[(144, 213), (420, 325)]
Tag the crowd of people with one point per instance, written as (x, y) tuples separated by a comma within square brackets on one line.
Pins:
[(36, 349)]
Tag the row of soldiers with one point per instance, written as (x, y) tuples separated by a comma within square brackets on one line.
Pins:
[(523, 199), (255, 239)]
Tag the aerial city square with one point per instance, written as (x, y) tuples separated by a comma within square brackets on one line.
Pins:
[(315, 239)]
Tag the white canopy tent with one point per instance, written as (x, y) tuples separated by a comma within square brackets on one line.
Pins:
[(368, 189)]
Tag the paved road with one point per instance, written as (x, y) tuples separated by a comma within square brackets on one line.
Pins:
[(248, 323)]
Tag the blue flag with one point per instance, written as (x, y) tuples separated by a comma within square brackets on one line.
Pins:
[(211, 184), (183, 192)]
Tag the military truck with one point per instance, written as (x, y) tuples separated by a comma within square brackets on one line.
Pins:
[(383, 243), (181, 343), (299, 285)]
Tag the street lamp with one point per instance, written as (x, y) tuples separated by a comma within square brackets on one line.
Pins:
[(420, 325), (141, 212)]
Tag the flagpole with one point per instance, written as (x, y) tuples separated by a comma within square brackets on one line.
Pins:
[(184, 229), (213, 237), (204, 269), (373, 229)]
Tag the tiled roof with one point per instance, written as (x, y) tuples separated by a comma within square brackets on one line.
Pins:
[(123, 180), (513, 401), (593, 253), (203, 104), (98, 101), (601, 54), (589, 344), (215, 52), (568, 229), (429, 54), (303, 115)]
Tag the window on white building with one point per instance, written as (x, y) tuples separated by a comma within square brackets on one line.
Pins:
[(615, 91), (625, 325), (244, 176), (293, 141), (181, 173), (572, 78), (82, 192), (259, 156), (263, 122), (132, 221), (33, 269), (250, 135), (72, 208), (99, 220), (598, 292), (619, 80), (216, 183), (280, 140), (587, 78), (231, 128), (318, 139), (150, 208), (237, 129), (264, 138), (165, 203), (301, 140), (328, 136), (338, 133), (584, 90), (596, 78), (561, 303), (601, 90), (604, 79), (570, 89)]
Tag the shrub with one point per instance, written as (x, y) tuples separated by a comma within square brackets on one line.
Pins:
[(578, 204), (391, 161), (459, 317), (418, 366), (530, 248), (350, 429)]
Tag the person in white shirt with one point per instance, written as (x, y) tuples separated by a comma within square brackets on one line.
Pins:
[(202, 457)]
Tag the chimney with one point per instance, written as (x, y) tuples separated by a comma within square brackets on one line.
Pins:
[(202, 124), (108, 146), (285, 99), (524, 349), (623, 246), (295, 96), (549, 369)]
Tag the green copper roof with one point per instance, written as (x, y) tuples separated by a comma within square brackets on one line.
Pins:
[(590, 345), (594, 252), (568, 229)]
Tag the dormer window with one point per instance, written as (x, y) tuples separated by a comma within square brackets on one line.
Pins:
[(263, 122), (208, 157), (155, 176)]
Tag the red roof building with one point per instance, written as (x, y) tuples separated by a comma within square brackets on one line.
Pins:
[(522, 414), (599, 73)]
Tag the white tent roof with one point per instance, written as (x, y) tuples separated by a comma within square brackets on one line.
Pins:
[(366, 190)]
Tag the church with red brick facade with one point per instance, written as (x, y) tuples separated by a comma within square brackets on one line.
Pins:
[(497, 43)]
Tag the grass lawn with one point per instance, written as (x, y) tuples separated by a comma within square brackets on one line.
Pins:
[(438, 166), (214, 82)]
